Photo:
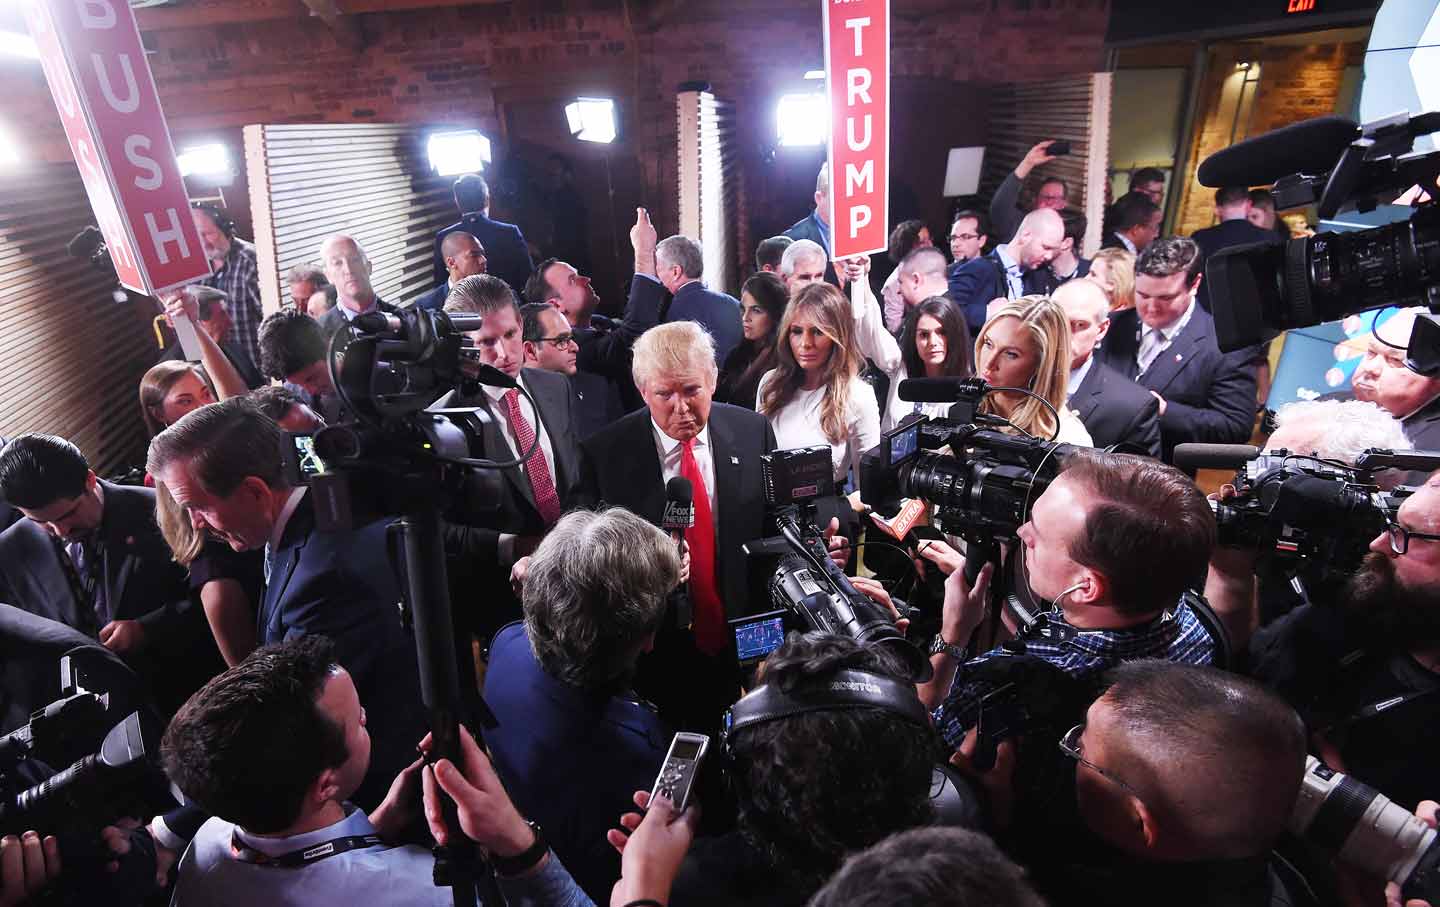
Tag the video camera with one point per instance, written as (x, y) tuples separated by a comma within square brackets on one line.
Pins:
[(808, 591), (98, 786), (1259, 290)]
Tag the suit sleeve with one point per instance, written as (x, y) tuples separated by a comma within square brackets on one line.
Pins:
[(1145, 430), (610, 355), (587, 492), (1229, 414), (968, 287), (1005, 208)]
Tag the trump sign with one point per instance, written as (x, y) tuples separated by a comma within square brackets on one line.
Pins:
[(102, 85), (857, 74)]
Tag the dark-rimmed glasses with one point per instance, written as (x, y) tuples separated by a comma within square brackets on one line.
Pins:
[(1400, 537), (561, 341)]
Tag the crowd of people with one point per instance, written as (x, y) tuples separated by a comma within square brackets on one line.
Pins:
[(1140, 738)]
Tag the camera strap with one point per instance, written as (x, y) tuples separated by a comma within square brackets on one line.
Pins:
[(1379, 707), (304, 857)]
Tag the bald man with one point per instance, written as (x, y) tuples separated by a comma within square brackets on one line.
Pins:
[(1115, 409), (464, 257), (348, 269), (1011, 269)]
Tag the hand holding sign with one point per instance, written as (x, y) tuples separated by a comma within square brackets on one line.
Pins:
[(857, 67)]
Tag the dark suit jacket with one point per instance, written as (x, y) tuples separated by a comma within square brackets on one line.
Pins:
[(977, 281), (621, 467), (1209, 395), (335, 319), (1423, 427), (434, 299), (238, 358), (341, 585), (605, 346), (1113, 241), (1116, 410), (142, 582), (597, 404), (718, 313), (808, 229), (506, 255), (1238, 232)]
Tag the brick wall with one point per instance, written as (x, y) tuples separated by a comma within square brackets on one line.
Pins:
[(507, 70), (1297, 82)]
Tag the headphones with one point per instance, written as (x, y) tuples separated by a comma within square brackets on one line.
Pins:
[(847, 689), (226, 225)]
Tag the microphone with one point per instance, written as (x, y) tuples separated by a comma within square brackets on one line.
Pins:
[(1311, 147), (1214, 456), (679, 507), (940, 390)]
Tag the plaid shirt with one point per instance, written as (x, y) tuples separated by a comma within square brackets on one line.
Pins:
[(239, 279), (1176, 636)]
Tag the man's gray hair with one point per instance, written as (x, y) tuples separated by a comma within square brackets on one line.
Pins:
[(1341, 429), (677, 349), (800, 248), (682, 251), (307, 272), (596, 588)]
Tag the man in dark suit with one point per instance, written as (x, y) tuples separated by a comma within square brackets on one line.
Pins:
[(550, 345), (464, 256), (1132, 223), (1114, 408), (1011, 269), (679, 265), (816, 227), (348, 268), (504, 243), (220, 468), (604, 344), (1232, 209), (1167, 345), (89, 555), (692, 674)]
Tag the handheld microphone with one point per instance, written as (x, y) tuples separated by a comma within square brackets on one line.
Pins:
[(1310, 147), (1214, 456), (679, 507)]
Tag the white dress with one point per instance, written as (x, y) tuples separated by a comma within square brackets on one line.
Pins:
[(797, 424)]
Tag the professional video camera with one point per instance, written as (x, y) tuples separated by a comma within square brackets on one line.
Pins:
[(99, 785), (1365, 828), (1260, 290), (809, 592)]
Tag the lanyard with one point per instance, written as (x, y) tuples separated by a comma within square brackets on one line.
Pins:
[(297, 858)]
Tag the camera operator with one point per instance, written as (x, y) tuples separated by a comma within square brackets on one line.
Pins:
[(1184, 779), (1365, 671), (1093, 545), (1338, 430), (560, 683), (220, 467), (814, 786)]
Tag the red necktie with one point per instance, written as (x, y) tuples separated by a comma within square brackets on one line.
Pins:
[(711, 630), (547, 501)]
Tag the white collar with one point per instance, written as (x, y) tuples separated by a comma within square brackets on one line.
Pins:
[(1168, 332), (669, 444), (277, 531), (1003, 252), (497, 394), (1077, 375), (1128, 244)]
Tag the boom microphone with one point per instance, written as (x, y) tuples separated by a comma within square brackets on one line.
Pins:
[(1214, 456), (939, 390), (1310, 147)]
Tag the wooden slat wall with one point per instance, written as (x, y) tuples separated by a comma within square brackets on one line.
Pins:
[(1023, 114), (372, 181), (709, 172), (71, 357)]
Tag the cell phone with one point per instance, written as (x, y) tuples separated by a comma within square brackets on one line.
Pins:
[(758, 635), (1058, 147), (680, 769)]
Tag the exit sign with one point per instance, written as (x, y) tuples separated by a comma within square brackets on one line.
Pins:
[(1300, 6)]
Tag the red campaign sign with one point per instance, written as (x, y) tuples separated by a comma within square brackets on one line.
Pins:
[(105, 93), (857, 74)]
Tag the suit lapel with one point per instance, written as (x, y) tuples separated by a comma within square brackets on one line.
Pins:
[(1172, 361), (495, 445), (1087, 395), (550, 401), (283, 564), (727, 483)]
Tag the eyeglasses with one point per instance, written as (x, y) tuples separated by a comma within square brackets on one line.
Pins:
[(965, 236), (561, 341), (1070, 746), (1400, 537)]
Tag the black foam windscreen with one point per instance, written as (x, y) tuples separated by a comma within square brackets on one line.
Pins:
[(1214, 456), (1311, 147)]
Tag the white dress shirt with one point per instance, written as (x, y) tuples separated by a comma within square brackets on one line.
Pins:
[(1154, 341), (1014, 274), (277, 532), (670, 451), (1077, 376), (496, 396)]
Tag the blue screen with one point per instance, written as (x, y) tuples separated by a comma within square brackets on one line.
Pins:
[(759, 639), (903, 444)]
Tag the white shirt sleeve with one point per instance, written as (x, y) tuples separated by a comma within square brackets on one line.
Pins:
[(864, 412), (875, 343)]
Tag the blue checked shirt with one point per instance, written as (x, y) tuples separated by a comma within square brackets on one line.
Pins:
[(239, 279), (1176, 635)]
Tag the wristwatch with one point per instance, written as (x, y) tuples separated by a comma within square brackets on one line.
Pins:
[(526, 859), (939, 646)]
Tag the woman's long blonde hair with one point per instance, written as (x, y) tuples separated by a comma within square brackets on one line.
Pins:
[(1049, 330), (831, 313), (157, 383), (1120, 269), (179, 533)]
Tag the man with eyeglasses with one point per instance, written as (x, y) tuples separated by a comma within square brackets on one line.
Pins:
[(1052, 193), (1364, 671), (1011, 269), (550, 345), (1184, 779)]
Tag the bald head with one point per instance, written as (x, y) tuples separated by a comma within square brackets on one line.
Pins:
[(348, 269), (464, 255), (1038, 239), (1087, 308), (922, 275)]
